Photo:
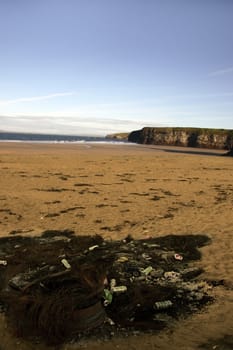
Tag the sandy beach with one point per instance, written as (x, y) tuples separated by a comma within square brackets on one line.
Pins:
[(117, 190)]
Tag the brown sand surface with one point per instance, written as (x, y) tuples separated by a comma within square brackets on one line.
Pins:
[(117, 190)]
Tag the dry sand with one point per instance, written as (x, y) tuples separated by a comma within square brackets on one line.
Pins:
[(119, 190)]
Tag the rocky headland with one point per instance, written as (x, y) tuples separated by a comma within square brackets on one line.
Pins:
[(123, 136), (187, 137)]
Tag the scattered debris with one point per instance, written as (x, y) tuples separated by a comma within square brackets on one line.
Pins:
[(178, 257), (161, 305), (3, 262), (107, 283), (147, 270), (122, 259), (119, 289), (93, 247), (107, 297), (112, 283), (66, 264)]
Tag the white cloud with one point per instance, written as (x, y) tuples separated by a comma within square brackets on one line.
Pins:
[(69, 125), (105, 118), (36, 98), (221, 72)]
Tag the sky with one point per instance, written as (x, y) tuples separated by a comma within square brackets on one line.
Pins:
[(96, 67)]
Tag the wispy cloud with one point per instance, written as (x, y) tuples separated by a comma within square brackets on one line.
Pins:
[(36, 98), (221, 72)]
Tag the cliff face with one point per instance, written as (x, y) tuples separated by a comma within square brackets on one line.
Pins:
[(187, 137)]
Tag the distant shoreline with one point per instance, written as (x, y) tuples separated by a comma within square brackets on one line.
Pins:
[(14, 136)]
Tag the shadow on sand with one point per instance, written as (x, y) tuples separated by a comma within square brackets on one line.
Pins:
[(186, 150)]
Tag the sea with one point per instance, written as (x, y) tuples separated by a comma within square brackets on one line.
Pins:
[(52, 138)]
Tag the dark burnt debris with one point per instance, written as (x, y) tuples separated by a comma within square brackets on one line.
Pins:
[(61, 286)]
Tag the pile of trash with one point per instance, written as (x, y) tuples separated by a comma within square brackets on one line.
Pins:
[(61, 286)]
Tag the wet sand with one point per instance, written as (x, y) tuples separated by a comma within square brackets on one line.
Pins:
[(117, 190)]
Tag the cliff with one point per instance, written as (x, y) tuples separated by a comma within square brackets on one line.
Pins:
[(187, 137)]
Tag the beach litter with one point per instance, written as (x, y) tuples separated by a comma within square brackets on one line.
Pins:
[(103, 280), (3, 262), (66, 263), (161, 305), (178, 257)]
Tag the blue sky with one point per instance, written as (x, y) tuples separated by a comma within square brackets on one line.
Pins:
[(93, 67)]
